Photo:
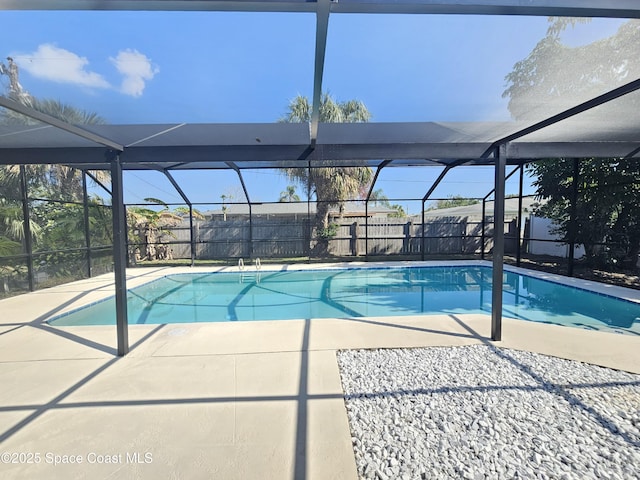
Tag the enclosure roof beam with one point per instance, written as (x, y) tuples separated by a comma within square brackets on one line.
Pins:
[(234, 167), (632, 154), (440, 177), (578, 109), (213, 157), (98, 182), (54, 122), (175, 165), (571, 8), (506, 178), (375, 177), (435, 184), (527, 152), (164, 5), (322, 27), (176, 186)]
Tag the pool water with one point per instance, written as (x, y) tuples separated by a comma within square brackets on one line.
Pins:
[(359, 292)]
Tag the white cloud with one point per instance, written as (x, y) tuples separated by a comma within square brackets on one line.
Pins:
[(136, 69), (50, 62), (59, 65)]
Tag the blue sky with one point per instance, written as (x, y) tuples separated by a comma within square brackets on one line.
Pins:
[(173, 67)]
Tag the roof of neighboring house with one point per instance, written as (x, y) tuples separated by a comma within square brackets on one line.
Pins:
[(475, 210), (296, 208)]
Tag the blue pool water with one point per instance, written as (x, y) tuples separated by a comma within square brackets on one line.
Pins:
[(359, 292)]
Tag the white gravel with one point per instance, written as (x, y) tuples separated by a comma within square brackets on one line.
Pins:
[(481, 412)]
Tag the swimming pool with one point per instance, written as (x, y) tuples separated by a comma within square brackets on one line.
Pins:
[(359, 292)]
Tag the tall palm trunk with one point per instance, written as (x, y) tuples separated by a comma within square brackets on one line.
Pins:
[(332, 185), (321, 247)]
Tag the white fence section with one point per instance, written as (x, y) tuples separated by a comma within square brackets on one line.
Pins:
[(541, 228)]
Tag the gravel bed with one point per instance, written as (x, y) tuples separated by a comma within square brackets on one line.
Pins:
[(481, 412)]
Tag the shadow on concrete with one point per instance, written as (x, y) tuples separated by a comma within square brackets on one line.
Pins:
[(40, 322), (302, 398), (417, 329), (55, 402)]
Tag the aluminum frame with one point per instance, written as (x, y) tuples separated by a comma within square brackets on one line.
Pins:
[(106, 154), (498, 243), (575, 8)]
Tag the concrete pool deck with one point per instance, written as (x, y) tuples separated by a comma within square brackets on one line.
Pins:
[(217, 400)]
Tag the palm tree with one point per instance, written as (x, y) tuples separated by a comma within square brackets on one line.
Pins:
[(183, 212), (289, 195), (147, 226), (378, 197), (224, 207), (54, 108), (59, 180), (12, 227), (331, 185)]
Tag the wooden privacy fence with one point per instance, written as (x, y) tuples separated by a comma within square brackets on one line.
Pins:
[(239, 238), (379, 236)]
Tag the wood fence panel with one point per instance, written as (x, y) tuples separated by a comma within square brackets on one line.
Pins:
[(386, 236)]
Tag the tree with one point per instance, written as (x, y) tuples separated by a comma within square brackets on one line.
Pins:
[(225, 197), (12, 228), (59, 180), (332, 185), (54, 108), (378, 197), (289, 195), (56, 227), (554, 77), (54, 181), (184, 212), (608, 199), (11, 241), (453, 201), (147, 226)]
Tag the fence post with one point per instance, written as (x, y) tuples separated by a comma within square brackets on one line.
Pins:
[(366, 229), (307, 236), (196, 239), (406, 248), (354, 239), (463, 235)]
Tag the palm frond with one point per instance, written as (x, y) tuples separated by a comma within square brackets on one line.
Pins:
[(156, 201), (9, 247)]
